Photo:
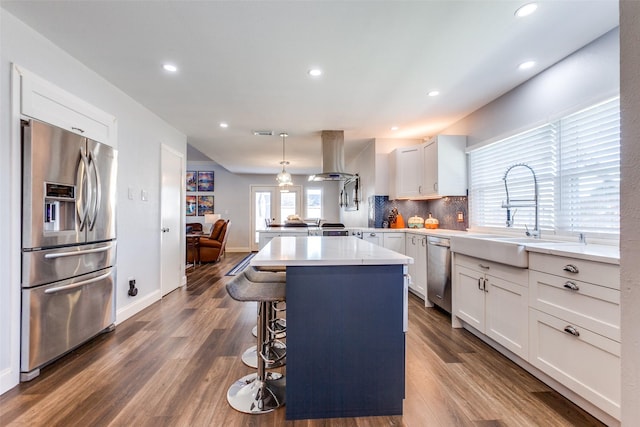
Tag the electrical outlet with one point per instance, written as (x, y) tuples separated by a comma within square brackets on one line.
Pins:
[(460, 216), (133, 291)]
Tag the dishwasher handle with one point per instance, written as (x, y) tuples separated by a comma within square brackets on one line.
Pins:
[(439, 242)]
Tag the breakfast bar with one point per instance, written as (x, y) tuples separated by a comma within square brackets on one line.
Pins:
[(346, 323)]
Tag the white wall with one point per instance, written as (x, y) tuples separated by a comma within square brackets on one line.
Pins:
[(630, 211), (589, 75), (140, 135), (232, 199)]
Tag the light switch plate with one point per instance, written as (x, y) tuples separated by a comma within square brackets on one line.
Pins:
[(144, 195)]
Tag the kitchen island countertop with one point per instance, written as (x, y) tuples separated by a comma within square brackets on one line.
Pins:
[(325, 251)]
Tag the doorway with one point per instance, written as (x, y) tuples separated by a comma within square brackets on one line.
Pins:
[(268, 202), (171, 202)]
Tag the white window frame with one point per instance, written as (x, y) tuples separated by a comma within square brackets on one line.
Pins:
[(589, 137)]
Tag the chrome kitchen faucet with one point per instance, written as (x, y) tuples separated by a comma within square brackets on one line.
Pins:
[(522, 202)]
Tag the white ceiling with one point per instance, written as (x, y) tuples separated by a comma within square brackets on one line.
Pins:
[(246, 63)]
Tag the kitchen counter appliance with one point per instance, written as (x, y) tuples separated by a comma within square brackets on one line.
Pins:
[(439, 272), (333, 229), (68, 242)]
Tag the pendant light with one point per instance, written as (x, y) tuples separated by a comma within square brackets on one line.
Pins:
[(284, 177)]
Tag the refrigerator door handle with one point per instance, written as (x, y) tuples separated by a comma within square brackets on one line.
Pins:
[(76, 285), (82, 190), (96, 192), (78, 253)]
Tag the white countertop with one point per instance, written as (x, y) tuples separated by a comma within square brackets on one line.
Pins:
[(591, 252), (325, 251)]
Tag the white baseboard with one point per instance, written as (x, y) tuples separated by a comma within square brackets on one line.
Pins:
[(139, 305), (9, 378)]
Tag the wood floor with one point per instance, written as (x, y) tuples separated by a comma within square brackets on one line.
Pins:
[(171, 365)]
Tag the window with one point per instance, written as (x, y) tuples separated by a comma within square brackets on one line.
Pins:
[(314, 203), (576, 161)]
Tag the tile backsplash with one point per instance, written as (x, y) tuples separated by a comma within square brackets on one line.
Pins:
[(445, 210)]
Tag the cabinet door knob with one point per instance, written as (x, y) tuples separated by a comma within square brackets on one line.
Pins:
[(571, 330), (572, 286), (570, 268)]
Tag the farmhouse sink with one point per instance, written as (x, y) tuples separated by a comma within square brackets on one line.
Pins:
[(505, 250)]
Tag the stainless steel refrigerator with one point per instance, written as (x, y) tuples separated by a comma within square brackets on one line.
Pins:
[(68, 242)]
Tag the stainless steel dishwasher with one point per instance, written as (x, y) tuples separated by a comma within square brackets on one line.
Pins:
[(439, 272)]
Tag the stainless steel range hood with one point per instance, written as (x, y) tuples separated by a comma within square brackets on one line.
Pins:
[(332, 157)]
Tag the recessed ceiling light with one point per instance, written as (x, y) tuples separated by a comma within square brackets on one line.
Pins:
[(526, 65), (315, 72), (526, 10), (394, 128), (224, 125), (434, 93), (170, 67)]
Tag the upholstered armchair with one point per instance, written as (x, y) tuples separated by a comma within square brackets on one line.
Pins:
[(212, 247)]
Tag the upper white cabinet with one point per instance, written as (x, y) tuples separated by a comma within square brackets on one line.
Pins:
[(435, 168), (49, 103)]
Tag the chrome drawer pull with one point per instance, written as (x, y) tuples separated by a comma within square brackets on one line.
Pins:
[(572, 286), (570, 268), (571, 330)]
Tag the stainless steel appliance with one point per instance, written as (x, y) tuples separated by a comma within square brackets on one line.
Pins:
[(334, 229), (439, 272), (68, 242)]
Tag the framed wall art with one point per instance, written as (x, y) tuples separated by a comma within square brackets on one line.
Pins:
[(205, 205), (191, 205), (192, 181), (205, 181)]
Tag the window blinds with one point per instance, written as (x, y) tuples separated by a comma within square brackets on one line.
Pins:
[(576, 162), (590, 170)]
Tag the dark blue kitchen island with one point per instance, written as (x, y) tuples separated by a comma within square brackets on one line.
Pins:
[(346, 324)]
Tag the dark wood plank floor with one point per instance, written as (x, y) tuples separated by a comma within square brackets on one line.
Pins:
[(171, 365)]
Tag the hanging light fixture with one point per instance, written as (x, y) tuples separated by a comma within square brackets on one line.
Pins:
[(284, 177)]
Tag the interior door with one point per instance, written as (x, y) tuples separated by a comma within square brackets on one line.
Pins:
[(269, 202), (171, 202)]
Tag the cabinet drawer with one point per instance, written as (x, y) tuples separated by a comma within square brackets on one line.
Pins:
[(588, 271), (588, 364), (594, 307), (506, 272)]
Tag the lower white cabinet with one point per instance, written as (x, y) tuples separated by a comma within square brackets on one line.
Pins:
[(416, 248), (574, 326), (394, 241), (493, 299), (585, 362), (372, 237), (267, 236)]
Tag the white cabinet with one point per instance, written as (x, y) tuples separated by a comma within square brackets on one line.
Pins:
[(435, 168), (394, 241), (49, 103), (416, 248), (372, 237), (268, 235), (574, 326), (493, 299), (445, 166), (405, 172)]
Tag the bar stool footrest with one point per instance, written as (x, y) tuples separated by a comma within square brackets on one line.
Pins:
[(277, 354)]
